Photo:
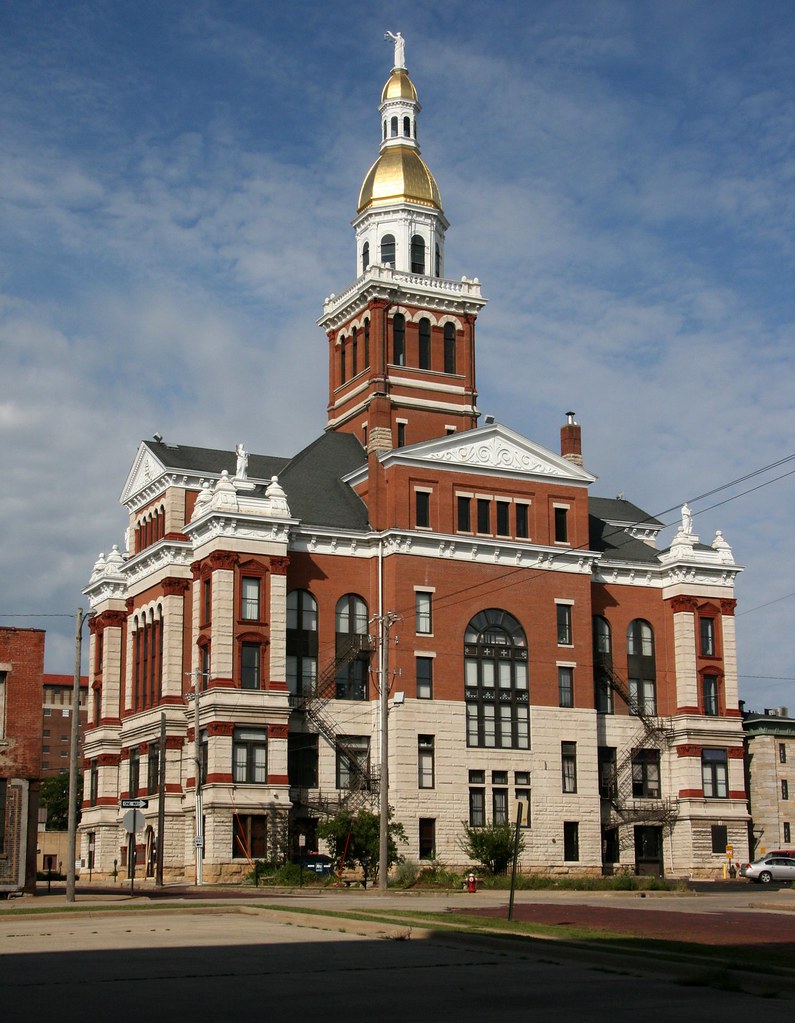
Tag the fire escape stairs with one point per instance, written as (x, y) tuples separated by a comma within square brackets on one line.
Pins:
[(314, 705), (654, 732)]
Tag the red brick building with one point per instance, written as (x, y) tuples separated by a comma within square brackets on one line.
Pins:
[(57, 694), (536, 643), (21, 670)]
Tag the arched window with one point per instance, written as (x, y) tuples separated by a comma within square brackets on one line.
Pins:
[(602, 665), (495, 681), (365, 256), (449, 348), (407, 127), (354, 352), (417, 254), (425, 343), (384, 127), (342, 359), (641, 668), (366, 343), (388, 250), (399, 339), (393, 127), (301, 642), (352, 647), (438, 261)]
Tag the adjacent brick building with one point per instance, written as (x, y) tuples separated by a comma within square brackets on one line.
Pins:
[(537, 644), (770, 772), (57, 694), (21, 670)]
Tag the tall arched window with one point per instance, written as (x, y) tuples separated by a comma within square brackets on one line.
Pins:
[(301, 642), (641, 668), (602, 665), (417, 254), (449, 348), (367, 343), (407, 127), (354, 352), (425, 343), (399, 339), (388, 250), (342, 359), (352, 647), (393, 127), (365, 256), (438, 262), (495, 681)]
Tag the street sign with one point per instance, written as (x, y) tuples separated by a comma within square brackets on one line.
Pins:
[(134, 821), (134, 804)]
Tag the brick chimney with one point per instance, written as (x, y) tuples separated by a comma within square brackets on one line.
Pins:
[(571, 440)]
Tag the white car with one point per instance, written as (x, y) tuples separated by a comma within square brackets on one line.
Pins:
[(770, 868)]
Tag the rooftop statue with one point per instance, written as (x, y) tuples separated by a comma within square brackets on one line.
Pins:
[(400, 52)]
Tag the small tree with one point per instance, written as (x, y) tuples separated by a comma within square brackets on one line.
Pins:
[(363, 845), (54, 797), (491, 846)]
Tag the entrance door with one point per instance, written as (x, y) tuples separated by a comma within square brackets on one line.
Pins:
[(648, 850), (610, 850)]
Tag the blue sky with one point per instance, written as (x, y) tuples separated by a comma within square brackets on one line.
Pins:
[(177, 182)]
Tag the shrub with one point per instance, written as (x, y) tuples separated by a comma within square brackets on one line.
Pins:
[(491, 846), (406, 874)]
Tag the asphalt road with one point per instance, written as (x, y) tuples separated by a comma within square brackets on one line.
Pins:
[(216, 961)]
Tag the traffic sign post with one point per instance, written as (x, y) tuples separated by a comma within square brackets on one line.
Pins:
[(134, 804)]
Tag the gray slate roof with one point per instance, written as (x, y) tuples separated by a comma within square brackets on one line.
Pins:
[(311, 479), (610, 538)]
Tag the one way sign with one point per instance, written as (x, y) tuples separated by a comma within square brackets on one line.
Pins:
[(134, 804)]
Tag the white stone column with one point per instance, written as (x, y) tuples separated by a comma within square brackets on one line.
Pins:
[(173, 628), (111, 672), (685, 659), (223, 612), (278, 627), (730, 682)]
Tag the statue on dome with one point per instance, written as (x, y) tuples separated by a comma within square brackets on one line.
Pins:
[(400, 51), (687, 520), (242, 462)]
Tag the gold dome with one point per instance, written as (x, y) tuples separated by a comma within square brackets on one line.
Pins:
[(399, 86), (399, 175)]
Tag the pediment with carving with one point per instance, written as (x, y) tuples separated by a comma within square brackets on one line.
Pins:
[(146, 469)]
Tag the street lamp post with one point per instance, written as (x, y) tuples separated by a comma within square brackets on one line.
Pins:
[(71, 839)]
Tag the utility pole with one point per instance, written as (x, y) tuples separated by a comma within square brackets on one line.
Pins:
[(385, 623), (161, 802), (71, 839)]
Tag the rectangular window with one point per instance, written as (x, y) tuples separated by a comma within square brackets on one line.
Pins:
[(503, 518), (207, 600), (250, 756), (568, 760), (135, 767), (464, 508), (423, 612), (646, 774), (563, 612), (477, 777), (643, 696), (250, 665), (571, 840), (93, 790), (784, 788), (561, 525), (302, 759), (477, 808), (249, 836), (499, 802), (353, 762), (720, 838), (710, 689), (250, 598), (423, 508), (607, 772), (707, 627), (153, 768), (425, 762), (566, 687), (204, 670), (522, 522), (424, 678), (499, 777), (523, 796), (401, 434), (782, 753), (484, 515), (714, 773), (427, 836), (787, 832)]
